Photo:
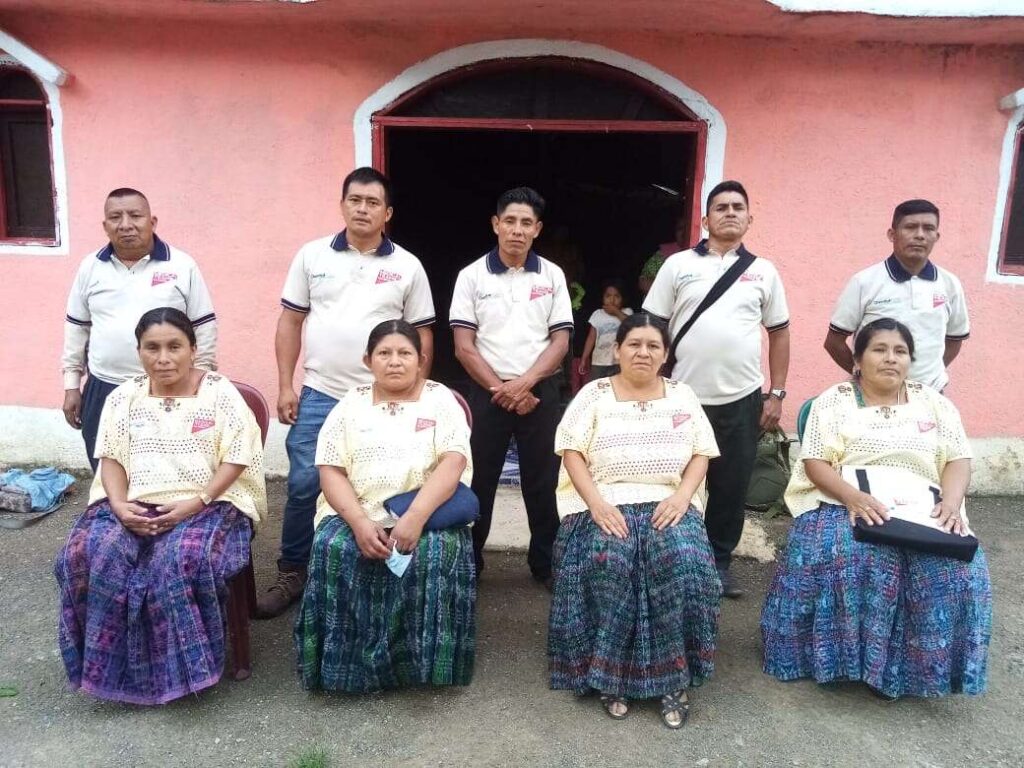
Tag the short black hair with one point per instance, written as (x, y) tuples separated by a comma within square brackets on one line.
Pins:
[(615, 283), (388, 327), (367, 175), (864, 336), (522, 196), (725, 186), (166, 316), (643, 320), (911, 207), (126, 192)]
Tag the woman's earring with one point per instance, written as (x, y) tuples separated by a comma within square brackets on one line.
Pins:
[(856, 373)]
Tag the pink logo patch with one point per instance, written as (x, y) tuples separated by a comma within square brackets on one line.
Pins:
[(925, 426), (200, 424), (540, 290), (747, 277), (422, 424), (679, 418), (163, 277), (938, 300), (387, 277)]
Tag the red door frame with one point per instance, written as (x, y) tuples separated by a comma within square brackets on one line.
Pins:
[(385, 120)]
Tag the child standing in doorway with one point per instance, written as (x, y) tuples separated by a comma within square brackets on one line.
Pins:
[(598, 352)]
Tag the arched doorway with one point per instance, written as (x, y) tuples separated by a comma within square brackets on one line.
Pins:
[(619, 160)]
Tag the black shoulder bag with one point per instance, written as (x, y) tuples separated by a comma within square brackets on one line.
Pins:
[(732, 274)]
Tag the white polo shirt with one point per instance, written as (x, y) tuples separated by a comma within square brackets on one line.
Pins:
[(513, 311), (107, 299), (720, 356), (345, 294), (931, 304)]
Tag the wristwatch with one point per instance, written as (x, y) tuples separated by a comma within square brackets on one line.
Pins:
[(206, 498), (779, 394)]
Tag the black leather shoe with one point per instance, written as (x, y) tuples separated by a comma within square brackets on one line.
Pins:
[(729, 588)]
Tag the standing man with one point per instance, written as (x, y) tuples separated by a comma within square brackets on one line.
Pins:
[(909, 288), (512, 319), (134, 273), (338, 288), (720, 356)]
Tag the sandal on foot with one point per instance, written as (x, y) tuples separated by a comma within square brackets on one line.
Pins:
[(611, 703), (675, 709)]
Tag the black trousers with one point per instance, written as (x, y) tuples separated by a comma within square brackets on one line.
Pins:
[(493, 426), (94, 395), (737, 427)]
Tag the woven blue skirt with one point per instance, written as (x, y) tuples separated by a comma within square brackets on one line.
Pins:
[(360, 628), (636, 617), (905, 623)]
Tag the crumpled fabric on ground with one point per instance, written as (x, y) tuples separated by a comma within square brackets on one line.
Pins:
[(45, 485)]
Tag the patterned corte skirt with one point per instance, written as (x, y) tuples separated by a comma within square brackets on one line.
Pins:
[(634, 617), (361, 628), (905, 623), (143, 619)]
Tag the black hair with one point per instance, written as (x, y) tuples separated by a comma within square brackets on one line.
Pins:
[(523, 196), (643, 320), (726, 186), (126, 192), (864, 336), (168, 316), (388, 327), (367, 175), (910, 207), (615, 283)]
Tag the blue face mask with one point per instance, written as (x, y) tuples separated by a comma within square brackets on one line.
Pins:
[(397, 562)]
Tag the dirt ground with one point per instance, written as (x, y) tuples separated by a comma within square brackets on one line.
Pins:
[(508, 716)]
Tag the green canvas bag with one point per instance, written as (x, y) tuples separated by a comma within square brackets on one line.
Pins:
[(771, 473)]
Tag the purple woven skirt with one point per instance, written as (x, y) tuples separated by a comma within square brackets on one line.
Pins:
[(142, 620)]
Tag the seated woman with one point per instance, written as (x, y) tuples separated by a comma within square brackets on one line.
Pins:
[(635, 607), (142, 575), (904, 622), (360, 626)]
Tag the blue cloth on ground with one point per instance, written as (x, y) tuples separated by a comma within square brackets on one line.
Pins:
[(45, 486)]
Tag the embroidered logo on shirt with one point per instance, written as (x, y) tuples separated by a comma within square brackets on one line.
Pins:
[(748, 277), (938, 299), (163, 277), (540, 290), (679, 418), (422, 424), (384, 276), (201, 423), (925, 426)]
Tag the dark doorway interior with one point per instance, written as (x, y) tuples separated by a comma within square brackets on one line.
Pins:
[(612, 198)]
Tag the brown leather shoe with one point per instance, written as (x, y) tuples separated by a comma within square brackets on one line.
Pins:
[(282, 593)]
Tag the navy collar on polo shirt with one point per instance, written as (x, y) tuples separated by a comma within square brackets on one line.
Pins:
[(496, 266), (702, 249), (386, 247), (160, 252), (899, 274)]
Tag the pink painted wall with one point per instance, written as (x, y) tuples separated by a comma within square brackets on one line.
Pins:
[(240, 136)]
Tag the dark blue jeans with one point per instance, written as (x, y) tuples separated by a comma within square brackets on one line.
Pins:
[(94, 395), (303, 478)]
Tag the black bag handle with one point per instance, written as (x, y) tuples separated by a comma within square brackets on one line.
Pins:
[(732, 274)]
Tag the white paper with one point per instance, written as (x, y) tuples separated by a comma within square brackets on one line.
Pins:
[(906, 496)]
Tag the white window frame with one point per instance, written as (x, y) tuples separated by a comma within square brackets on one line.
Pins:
[(51, 77)]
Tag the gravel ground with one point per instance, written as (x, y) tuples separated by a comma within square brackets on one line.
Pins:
[(508, 716)]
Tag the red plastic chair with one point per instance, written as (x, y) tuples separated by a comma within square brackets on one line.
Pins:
[(465, 407), (242, 588)]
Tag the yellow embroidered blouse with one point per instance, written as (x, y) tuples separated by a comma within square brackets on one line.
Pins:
[(390, 448), (636, 451), (170, 447), (921, 436)]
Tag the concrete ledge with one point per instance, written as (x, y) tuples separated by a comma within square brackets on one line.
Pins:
[(40, 436)]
